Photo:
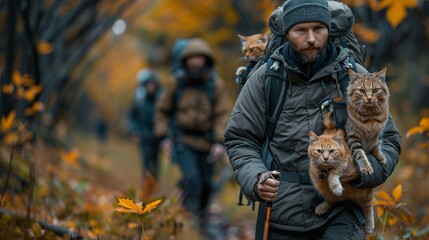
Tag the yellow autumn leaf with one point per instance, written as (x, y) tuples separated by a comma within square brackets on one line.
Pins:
[(7, 88), (35, 108), (392, 221), (397, 10), (396, 14), (383, 195), (27, 81), (32, 92), (414, 131), (380, 212), (423, 127), (17, 78), (10, 138), (140, 208), (44, 47), (8, 121), (71, 157), (397, 192), (425, 123)]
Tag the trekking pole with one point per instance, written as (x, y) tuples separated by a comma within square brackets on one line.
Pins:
[(267, 220)]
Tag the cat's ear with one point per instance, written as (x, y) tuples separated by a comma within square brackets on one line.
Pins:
[(353, 75), (242, 38), (338, 137), (382, 74), (313, 137)]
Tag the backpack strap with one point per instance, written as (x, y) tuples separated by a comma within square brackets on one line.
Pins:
[(275, 94)]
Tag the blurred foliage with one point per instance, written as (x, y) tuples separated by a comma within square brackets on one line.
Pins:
[(62, 67)]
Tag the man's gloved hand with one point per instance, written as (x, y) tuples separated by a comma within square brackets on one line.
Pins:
[(268, 185)]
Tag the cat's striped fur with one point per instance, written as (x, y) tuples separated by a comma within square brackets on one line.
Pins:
[(368, 111)]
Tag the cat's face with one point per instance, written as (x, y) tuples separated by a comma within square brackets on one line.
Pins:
[(326, 151), (368, 91), (253, 46)]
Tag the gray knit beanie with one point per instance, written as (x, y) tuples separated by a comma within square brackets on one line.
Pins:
[(300, 11)]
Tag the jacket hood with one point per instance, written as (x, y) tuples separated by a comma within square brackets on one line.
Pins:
[(197, 47)]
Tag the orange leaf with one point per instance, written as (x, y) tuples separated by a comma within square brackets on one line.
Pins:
[(44, 47), (8, 121), (10, 138), (380, 212), (17, 78), (131, 207), (396, 14), (397, 192), (152, 205), (71, 157), (414, 131), (425, 123), (393, 221), (31, 93), (383, 195), (7, 88)]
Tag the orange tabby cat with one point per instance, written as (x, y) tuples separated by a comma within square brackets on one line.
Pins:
[(330, 159), (253, 46)]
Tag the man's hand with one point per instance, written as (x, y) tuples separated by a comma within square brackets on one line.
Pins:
[(268, 185)]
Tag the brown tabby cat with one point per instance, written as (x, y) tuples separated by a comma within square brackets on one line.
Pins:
[(253, 46), (368, 110), (330, 159)]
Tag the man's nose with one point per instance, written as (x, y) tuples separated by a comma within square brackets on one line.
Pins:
[(311, 38)]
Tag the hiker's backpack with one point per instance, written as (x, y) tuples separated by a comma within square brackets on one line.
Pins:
[(342, 21)]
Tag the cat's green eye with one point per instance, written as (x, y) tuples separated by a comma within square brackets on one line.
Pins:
[(331, 151), (362, 90), (375, 90), (319, 151)]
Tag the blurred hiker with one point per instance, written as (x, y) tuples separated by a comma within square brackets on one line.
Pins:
[(194, 106), (141, 120)]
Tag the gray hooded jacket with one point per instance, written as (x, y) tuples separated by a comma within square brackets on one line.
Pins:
[(293, 208)]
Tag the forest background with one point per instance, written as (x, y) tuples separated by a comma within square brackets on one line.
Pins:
[(68, 68)]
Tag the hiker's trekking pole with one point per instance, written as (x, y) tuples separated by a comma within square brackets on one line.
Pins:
[(267, 220)]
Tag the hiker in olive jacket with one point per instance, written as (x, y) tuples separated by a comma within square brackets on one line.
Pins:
[(194, 106), (311, 65)]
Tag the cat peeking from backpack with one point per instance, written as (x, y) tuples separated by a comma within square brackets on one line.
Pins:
[(253, 48)]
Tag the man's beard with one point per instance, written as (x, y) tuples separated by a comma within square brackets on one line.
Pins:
[(309, 54)]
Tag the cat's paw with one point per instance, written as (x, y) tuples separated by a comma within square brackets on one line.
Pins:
[(320, 209), (369, 229), (366, 170), (382, 161), (338, 191)]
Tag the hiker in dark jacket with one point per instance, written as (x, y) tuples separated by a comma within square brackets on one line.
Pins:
[(141, 120), (194, 105), (310, 65)]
